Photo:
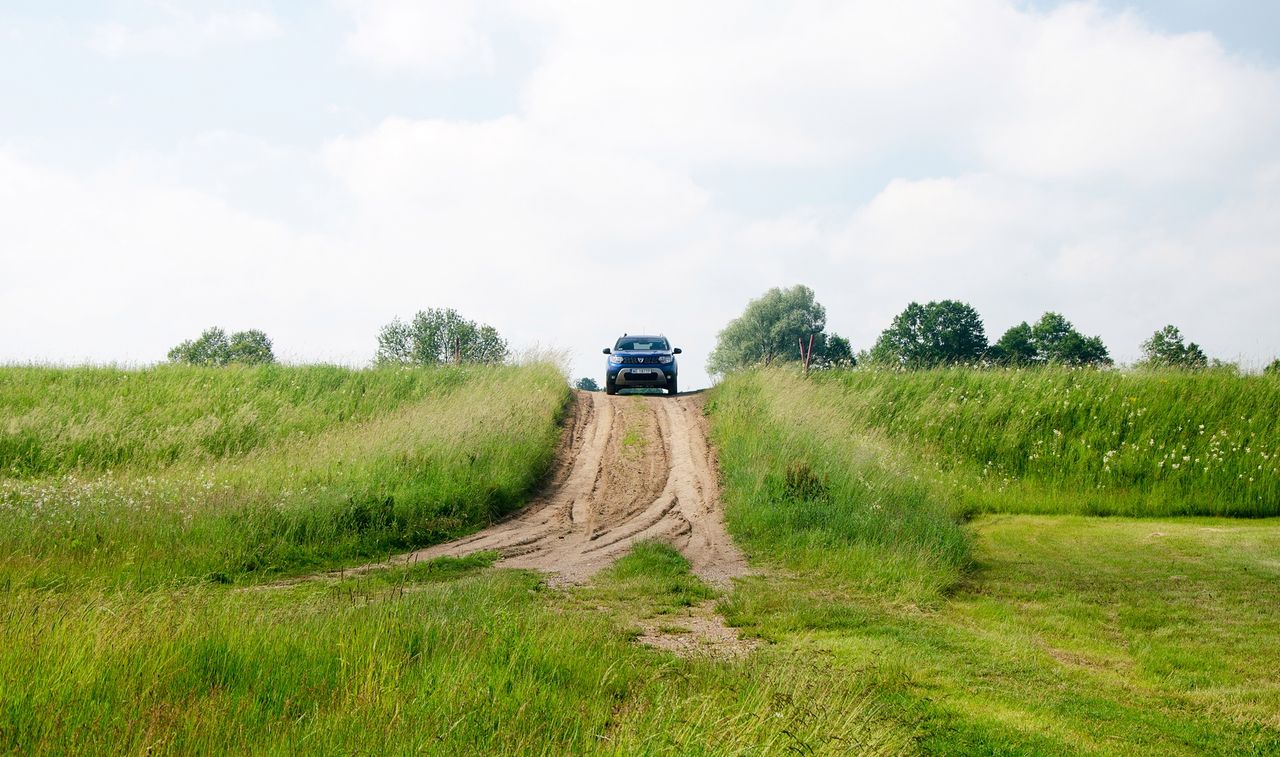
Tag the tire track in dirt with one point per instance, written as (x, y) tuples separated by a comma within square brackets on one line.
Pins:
[(632, 468)]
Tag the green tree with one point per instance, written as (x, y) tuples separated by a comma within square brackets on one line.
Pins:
[(1058, 342), (251, 347), (437, 336), (772, 329), (587, 384), (1273, 369), (1016, 347), (1167, 349), (211, 348), (938, 333), (838, 353)]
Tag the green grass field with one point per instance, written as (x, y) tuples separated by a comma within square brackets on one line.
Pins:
[(1007, 634), (1082, 441), (136, 617), (176, 474)]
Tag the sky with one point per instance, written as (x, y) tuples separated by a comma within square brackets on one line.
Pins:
[(567, 172)]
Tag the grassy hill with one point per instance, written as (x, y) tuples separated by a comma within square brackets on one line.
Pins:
[(177, 473), (1082, 441), (1016, 634), (924, 584)]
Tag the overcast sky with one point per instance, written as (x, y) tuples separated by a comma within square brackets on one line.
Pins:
[(567, 172)]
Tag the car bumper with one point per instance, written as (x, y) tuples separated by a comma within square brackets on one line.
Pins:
[(638, 376)]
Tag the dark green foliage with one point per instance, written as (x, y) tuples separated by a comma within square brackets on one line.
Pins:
[(437, 336), (1058, 342), (839, 353), (1166, 349), (587, 384), (1016, 347), (250, 347), (939, 333), (771, 330), (1273, 369)]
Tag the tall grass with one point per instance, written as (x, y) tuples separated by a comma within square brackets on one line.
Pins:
[(177, 473), (81, 420), (1081, 441), (487, 663), (804, 489)]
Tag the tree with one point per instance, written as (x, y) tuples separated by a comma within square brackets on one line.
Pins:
[(772, 328), (1058, 342), (1016, 347), (437, 336), (1166, 349), (839, 353), (1273, 369), (212, 348), (587, 384), (250, 347), (939, 333)]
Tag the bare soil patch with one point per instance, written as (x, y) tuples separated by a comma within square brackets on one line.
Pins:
[(697, 631)]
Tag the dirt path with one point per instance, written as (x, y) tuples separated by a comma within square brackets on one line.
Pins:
[(634, 468)]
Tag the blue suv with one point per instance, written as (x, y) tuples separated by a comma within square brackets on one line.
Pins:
[(641, 362)]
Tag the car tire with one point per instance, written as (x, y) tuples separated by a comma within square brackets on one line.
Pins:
[(671, 387), (610, 388)]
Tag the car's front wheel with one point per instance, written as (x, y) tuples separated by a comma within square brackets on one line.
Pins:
[(610, 387), (671, 387)]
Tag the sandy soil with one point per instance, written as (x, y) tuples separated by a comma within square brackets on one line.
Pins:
[(695, 632), (632, 468)]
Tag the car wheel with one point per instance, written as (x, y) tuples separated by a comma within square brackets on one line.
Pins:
[(671, 387), (610, 387)]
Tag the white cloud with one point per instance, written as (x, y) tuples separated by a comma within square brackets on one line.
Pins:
[(184, 33), (424, 36), (1094, 95), (1076, 161)]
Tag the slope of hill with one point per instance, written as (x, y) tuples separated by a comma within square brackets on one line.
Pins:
[(177, 473)]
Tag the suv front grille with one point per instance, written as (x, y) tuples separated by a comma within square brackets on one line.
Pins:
[(640, 360)]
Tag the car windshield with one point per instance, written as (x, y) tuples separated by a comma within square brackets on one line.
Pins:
[(641, 343)]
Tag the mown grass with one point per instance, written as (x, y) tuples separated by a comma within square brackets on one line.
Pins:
[(1144, 443), (172, 474), (1048, 635)]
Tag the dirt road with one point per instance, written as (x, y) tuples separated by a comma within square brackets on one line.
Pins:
[(632, 468)]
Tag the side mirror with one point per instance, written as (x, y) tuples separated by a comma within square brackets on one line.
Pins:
[(608, 351), (676, 351)]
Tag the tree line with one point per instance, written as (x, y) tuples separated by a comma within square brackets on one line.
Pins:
[(434, 336), (940, 333)]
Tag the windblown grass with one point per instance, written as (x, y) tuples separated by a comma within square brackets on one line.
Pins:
[(803, 492), (1050, 634), (1081, 441), (437, 661), (177, 473)]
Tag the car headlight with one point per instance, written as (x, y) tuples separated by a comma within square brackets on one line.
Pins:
[(615, 360), (665, 359)]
